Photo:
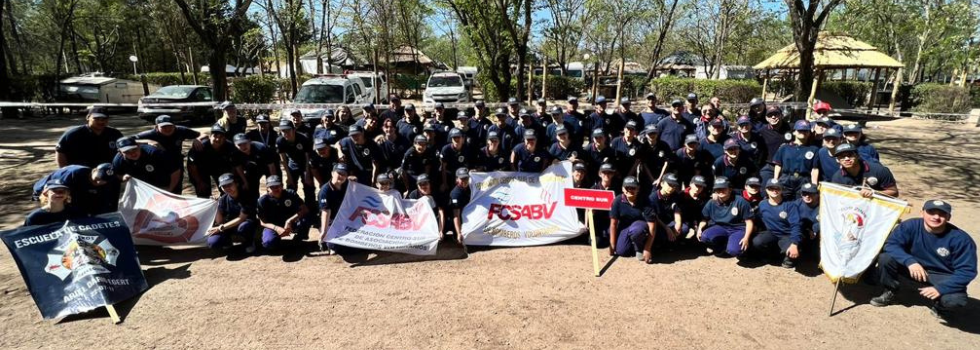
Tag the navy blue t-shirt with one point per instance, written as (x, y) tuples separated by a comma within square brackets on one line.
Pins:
[(527, 161), (153, 166), (877, 176), (172, 145), (232, 208), (673, 131), (564, 153), (493, 162), (627, 214), (827, 163), (738, 172), (331, 135), (796, 159), (212, 161), (83, 147), (415, 163), (717, 148), (360, 157), (664, 207), (455, 159), (733, 213), (258, 160), (392, 152), (408, 129), (689, 165), (277, 210), (295, 150), (459, 197), (331, 198), (809, 221), (781, 220)]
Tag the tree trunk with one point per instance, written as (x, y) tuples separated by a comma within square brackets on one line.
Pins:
[(6, 112), (194, 69), (218, 75)]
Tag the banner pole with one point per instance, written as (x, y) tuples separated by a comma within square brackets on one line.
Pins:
[(112, 314), (595, 251), (834, 300)]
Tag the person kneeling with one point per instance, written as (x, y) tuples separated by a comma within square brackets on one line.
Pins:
[(235, 217), (730, 219), (931, 251), (782, 235), (630, 222), (281, 213)]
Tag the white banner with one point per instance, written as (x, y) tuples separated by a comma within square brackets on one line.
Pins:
[(520, 209), (375, 220), (853, 229), (158, 217)]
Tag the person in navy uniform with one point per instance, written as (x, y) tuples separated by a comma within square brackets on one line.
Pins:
[(257, 161), (480, 120), (939, 256), (753, 147), (508, 136), (459, 197), (361, 154), (235, 217), (88, 145), (55, 205), (385, 183), (457, 154), (808, 206), (674, 128), (735, 168), (540, 114), (435, 139), (629, 151), (796, 163), (691, 110), (411, 125), (230, 120), (602, 118), (294, 151), (423, 191), (513, 109), (693, 199), (146, 163), (528, 157), (328, 131), (727, 221), (692, 160), (558, 121), (493, 157), (580, 179), (564, 149), (752, 193), (826, 161), (652, 114), (853, 134), (607, 181), (322, 161), (395, 110), (331, 196), (94, 190), (821, 125), (218, 156), (757, 113), (418, 160), (666, 211), (710, 117), (781, 234), (527, 122), (299, 123), (598, 151), (715, 139), (267, 136), (393, 147), (626, 114), (870, 176), (631, 220), (774, 134), (281, 213), (472, 136), (170, 138)]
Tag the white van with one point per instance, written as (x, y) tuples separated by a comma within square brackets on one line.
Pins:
[(331, 89), (95, 88), (445, 87), (369, 79)]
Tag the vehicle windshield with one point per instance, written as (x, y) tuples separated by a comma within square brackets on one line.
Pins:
[(445, 81), (320, 94), (367, 81), (174, 91)]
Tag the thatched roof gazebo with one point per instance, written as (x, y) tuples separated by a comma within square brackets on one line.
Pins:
[(834, 52)]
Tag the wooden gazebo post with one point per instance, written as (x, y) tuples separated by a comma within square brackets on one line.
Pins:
[(765, 85), (873, 99), (898, 81), (813, 92)]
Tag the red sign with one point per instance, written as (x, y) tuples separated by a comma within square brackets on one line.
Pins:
[(589, 199)]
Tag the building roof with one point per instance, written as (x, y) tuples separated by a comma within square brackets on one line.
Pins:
[(832, 51)]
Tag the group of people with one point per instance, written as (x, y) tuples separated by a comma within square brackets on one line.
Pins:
[(746, 187)]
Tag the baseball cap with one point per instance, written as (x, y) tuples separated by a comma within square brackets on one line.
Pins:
[(455, 133), (96, 115), (753, 181), (226, 179), (493, 135), (631, 182), (285, 124), (676, 103), (598, 133), (240, 138), (424, 178), (632, 125), (529, 135), (572, 99), (480, 104), (421, 139), (691, 138), (808, 188), (273, 180), (319, 143), (340, 168), (369, 106), (54, 183), (698, 180), (355, 129), (731, 143), (716, 122), (462, 115), (384, 178), (513, 101), (104, 171), (261, 118), (439, 105), (744, 120), (218, 129), (774, 183), (607, 168), (651, 129), (410, 107), (671, 179), (556, 110), (524, 113), (579, 167), (226, 105), (625, 101), (651, 96), (542, 102), (692, 97), (938, 204), (462, 173), (394, 98), (852, 128), (164, 120), (429, 127), (600, 99), (825, 121), (295, 111), (844, 148), (831, 133), (802, 125), (124, 144), (500, 112), (722, 182), (821, 106), (561, 130)]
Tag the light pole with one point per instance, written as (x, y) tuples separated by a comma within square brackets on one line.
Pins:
[(132, 58)]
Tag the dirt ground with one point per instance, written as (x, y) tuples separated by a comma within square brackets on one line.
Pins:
[(537, 297)]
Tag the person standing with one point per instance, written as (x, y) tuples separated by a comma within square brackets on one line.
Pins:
[(361, 154), (170, 139), (673, 129), (216, 157), (528, 157), (230, 120), (88, 145), (257, 161), (267, 136)]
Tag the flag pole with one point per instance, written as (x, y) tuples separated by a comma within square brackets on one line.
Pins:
[(595, 250), (113, 314), (834, 300)]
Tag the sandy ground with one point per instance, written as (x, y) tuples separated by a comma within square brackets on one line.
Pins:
[(540, 297)]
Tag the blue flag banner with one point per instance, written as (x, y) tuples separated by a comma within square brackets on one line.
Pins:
[(78, 265)]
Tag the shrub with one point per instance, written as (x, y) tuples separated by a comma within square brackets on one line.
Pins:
[(37, 88), (855, 93), (940, 98), (171, 78), (975, 96), (254, 89), (729, 91)]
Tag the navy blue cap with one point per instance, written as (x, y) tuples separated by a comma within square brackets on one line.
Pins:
[(676, 103), (598, 133), (529, 135), (744, 120), (285, 124), (601, 99), (831, 133), (218, 129), (500, 112), (97, 115), (394, 98), (164, 120), (240, 138), (340, 168), (844, 148), (716, 122), (625, 101), (542, 102), (671, 179), (699, 180), (808, 188), (607, 168), (430, 127), (423, 178), (273, 180), (524, 113), (938, 204), (632, 125), (410, 107), (462, 115), (579, 167), (651, 129), (54, 183), (421, 139), (556, 110), (369, 106), (493, 135), (355, 129), (773, 183), (261, 118), (319, 143), (691, 138), (439, 105), (329, 113), (462, 173), (722, 182), (455, 133), (825, 120), (692, 97), (572, 99), (104, 171), (226, 105), (226, 179), (480, 104), (295, 111), (731, 143), (651, 96), (561, 130), (852, 128), (513, 101), (802, 125), (126, 143), (631, 182), (383, 178)]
